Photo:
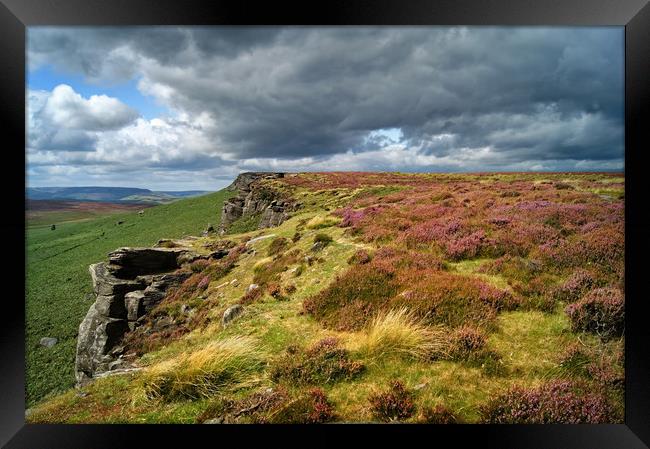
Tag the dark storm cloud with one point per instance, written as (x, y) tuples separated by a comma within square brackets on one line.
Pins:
[(526, 93)]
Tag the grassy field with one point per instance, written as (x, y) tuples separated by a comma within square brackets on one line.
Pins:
[(58, 287), (466, 256)]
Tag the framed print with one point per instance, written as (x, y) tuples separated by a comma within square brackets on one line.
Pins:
[(418, 220)]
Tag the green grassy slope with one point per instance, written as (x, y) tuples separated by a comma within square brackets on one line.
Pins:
[(58, 282)]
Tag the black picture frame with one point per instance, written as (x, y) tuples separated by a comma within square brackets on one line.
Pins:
[(15, 15)]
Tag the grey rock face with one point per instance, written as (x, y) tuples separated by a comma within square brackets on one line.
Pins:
[(125, 293), (48, 342), (133, 303), (231, 313), (106, 283), (253, 198)]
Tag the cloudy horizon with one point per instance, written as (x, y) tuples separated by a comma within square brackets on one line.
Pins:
[(188, 108)]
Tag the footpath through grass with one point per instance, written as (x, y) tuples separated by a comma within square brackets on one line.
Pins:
[(58, 289)]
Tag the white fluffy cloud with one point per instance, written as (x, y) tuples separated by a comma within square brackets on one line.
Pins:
[(67, 109), (64, 121)]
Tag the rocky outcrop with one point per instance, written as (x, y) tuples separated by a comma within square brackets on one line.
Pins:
[(126, 288), (254, 197)]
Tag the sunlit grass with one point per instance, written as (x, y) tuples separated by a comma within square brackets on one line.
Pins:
[(399, 333)]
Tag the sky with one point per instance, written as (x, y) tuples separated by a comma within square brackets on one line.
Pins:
[(184, 108)]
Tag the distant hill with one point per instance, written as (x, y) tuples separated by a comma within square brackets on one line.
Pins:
[(108, 194)]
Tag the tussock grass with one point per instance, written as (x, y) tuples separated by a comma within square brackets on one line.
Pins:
[(260, 264), (319, 222), (223, 365), (399, 332)]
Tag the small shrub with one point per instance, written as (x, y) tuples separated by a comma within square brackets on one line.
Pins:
[(323, 238), (467, 343), (557, 402), (324, 362), (296, 237), (299, 270), (470, 345), (450, 299), (274, 289), (510, 194), (199, 265), (601, 311), (396, 404), (290, 288), (351, 300), (579, 283), (251, 296), (399, 333), (309, 408), (278, 245), (360, 257), (203, 283), (438, 415)]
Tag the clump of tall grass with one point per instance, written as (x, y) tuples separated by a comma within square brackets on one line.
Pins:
[(320, 222), (222, 365), (399, 332)]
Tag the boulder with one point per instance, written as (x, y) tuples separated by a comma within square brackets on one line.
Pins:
[(48, 342), (231, 313)]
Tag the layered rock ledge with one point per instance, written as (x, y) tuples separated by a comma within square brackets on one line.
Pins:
[(127, 287)]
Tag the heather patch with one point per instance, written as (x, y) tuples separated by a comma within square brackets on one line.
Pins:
[(323, 362), (395, 404), (601, 311), (352, 298), (555, 402)]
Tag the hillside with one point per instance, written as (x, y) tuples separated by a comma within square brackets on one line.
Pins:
[(55, 212), (428, 298), (57, 282), (108, 194)]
